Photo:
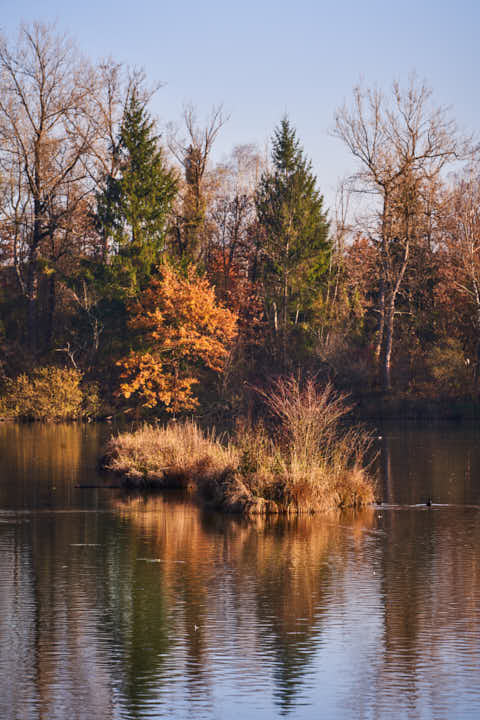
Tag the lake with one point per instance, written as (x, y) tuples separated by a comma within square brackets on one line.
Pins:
[(123, 606)]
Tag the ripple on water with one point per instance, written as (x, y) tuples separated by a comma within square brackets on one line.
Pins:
[(114, 607)]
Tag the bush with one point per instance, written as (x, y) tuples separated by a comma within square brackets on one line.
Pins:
[(317, 462), (451, 370), (50, 394)]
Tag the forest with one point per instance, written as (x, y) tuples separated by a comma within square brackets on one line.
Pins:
[(140, 278)]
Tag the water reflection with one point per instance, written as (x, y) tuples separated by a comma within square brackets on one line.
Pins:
[(440, 460), (42, 464), (430, 576), (131, 607), (270, 578)]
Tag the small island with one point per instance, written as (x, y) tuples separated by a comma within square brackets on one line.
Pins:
[(308, 461)]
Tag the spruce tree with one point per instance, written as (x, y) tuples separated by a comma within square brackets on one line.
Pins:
[(294, 234), (134, 206)]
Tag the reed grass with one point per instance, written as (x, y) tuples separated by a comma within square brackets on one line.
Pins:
[(310, 462), (163, 455)]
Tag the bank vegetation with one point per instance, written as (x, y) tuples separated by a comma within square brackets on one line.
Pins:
[(174, 283)]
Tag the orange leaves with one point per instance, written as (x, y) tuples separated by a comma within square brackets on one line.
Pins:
[(182, 330)]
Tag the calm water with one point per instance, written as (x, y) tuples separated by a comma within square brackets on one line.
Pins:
[(117, 607)]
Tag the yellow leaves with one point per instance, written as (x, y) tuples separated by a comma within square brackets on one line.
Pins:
[(51, 394), (183, 330)]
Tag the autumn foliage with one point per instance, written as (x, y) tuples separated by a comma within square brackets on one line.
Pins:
[(182, 331), (381, 297), (50, 394)]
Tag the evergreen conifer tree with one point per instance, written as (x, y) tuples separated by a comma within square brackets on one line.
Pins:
[(133, 209), (294, 234)]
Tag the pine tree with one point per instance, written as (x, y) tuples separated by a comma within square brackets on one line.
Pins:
[(294, 234), (133, 209)]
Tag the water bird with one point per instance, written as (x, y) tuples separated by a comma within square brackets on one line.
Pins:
[(429, 502), (196, 628)]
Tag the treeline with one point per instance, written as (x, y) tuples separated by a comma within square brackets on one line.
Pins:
[(172, 282)]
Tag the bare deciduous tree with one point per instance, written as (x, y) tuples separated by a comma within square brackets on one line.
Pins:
[(232, 213), (461, 242), (401, 143), (46, 131), (193, 153)]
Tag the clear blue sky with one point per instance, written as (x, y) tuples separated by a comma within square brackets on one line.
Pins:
[(266, 57)]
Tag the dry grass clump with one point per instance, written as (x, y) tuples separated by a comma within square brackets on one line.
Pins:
[(177, 454), (312, 463), (309, 463)]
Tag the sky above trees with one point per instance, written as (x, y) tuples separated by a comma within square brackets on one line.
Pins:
[(265, 59)]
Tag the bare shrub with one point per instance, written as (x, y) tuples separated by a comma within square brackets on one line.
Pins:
[(319, 458)]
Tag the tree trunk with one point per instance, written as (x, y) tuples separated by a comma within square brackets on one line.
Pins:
[(31, 284), (52, 300), (381, 322), (477, 349), (285, 322), (390, 319), (387, 350)]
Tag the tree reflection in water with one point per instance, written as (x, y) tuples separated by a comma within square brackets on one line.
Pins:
[(126, 607), (268, 580)]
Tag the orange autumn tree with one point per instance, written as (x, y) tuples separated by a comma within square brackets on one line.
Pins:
[(182, 330)]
